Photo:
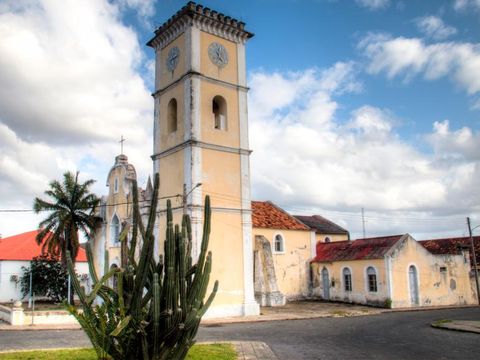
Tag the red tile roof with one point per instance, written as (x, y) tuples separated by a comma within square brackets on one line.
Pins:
[(265, 214), (321, 225), (362, 249), (450, 246), (25, 247)]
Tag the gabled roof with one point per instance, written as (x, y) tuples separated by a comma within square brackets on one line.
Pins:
[(25, 247), (265, 214), (450, 246), (321, 225), (362, 249)]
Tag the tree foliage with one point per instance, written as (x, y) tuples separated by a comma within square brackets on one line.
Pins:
[(49, 278), (153, 308), (71, 208)]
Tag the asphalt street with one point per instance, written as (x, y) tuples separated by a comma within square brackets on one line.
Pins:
[(398, 335)]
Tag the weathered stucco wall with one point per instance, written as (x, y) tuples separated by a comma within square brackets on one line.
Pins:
[(360, 291), (291, 265), (332, 237), (441, 279)]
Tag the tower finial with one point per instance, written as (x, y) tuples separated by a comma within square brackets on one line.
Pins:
[(122, 140)]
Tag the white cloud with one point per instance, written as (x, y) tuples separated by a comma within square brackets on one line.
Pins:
[(434, 27), (307, 159), (462, 5), (71, 85), (412, 56), (373, 4)]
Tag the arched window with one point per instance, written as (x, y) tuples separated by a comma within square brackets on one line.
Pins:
[(278, 244), (115, 231), (219, 109), (372, 279), (115, 185), (172, 115), (327, 239), (347, 279)]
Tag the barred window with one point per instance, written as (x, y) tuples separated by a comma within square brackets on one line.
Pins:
[(347, 279), (372, 279)]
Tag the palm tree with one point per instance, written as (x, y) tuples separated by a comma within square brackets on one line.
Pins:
[(72, 209)]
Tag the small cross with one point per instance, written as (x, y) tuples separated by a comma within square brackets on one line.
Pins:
[(122, 140)]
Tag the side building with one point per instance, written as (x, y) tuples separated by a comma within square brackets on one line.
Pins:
[(392, 271)]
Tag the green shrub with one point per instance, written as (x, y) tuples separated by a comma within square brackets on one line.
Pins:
[(49, 278)]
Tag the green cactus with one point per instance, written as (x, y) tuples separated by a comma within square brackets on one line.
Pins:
[(154, 309)]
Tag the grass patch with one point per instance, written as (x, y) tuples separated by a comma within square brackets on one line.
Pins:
[(440, 322), (339, 313), (197, 352)]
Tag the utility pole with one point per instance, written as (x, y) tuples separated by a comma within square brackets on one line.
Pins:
[(363, 223), (474, 259)]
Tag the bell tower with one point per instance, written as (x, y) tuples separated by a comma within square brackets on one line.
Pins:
[(201, 140)]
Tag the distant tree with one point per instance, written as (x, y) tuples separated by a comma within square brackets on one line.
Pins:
[(71, 208), (49, 278)]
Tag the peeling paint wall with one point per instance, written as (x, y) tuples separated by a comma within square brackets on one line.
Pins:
[(441, 279), (437, 280), (360, 292), (291, 265), (332, 237)]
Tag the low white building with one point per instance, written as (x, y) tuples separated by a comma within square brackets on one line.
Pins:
[(17, 251)]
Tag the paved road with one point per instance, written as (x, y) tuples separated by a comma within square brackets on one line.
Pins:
[(403, 335)]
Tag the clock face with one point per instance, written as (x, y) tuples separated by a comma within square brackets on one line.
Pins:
[(172, 58), (218, 54)]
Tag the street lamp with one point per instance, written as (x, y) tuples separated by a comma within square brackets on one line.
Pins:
[(474, 257), (185, 195)]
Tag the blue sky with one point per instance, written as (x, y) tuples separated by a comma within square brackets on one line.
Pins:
[(361, 103)]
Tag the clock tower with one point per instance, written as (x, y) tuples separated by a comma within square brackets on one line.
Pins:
[(201, 140)]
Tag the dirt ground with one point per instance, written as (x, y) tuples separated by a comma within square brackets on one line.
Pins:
[(317, 308)]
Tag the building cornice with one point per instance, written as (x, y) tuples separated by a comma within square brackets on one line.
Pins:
[(191, 74), (203, 18), (200, 144)]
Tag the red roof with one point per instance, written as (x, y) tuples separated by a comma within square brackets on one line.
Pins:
[(265, 214), (450, 246), (362, 249), (25, 247)]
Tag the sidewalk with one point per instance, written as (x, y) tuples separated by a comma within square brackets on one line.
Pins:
[(296, 310), (458, 325)]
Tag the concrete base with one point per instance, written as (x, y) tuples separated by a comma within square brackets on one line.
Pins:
[(220, 311), (275, 298)]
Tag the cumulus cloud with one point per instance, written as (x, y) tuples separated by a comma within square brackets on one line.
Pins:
[(71, 86), (462, 5), (412, 56), (307, 158), (373, 4), (434, 27)]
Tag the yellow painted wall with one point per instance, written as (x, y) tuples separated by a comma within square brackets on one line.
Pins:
[(291, 266), (435, 288), (229, 73), (165, 77), (221, 179), (360, 292), (333, 237), (170, 139), (171, 176), (227, 251), (231, 136)]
